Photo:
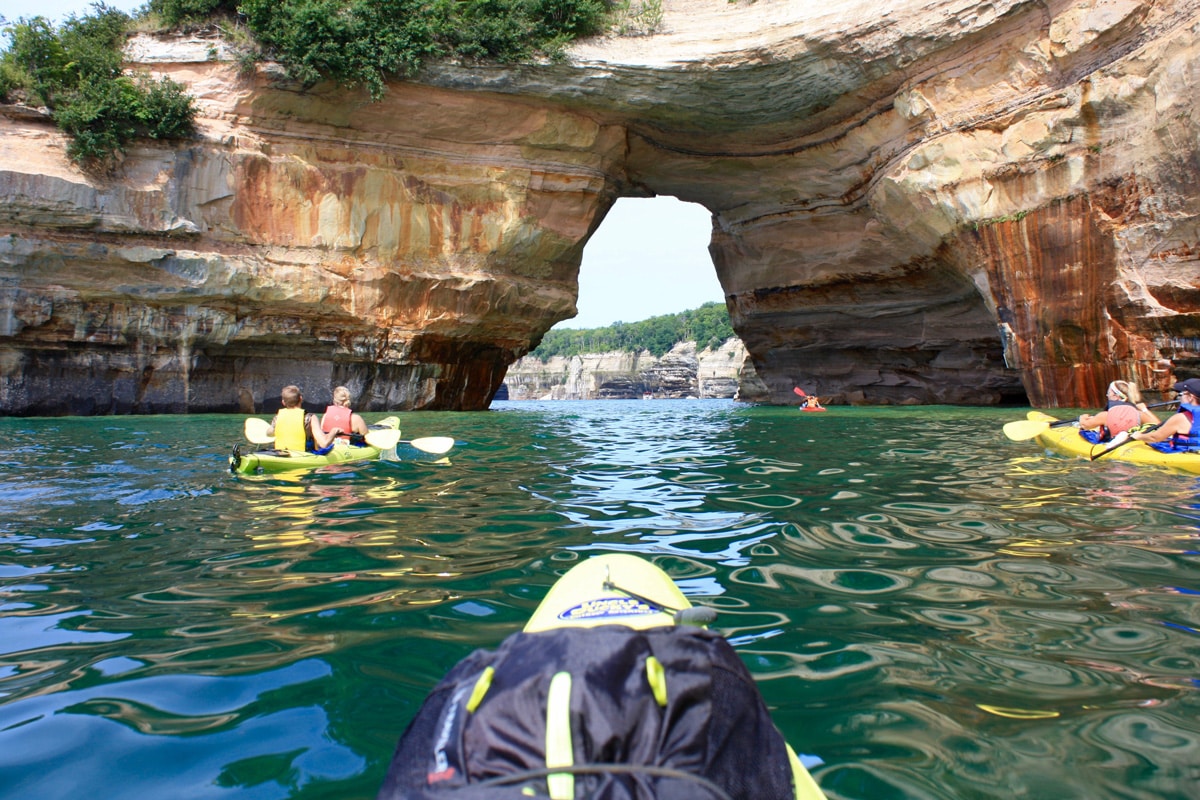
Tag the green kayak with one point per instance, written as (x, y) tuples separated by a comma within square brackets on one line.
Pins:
[(256, 462)]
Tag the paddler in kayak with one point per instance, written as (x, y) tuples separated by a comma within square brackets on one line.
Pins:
[(340, 416), (1125, 411), (1181, 431), (614, 690), (813, 402), (294, 429)]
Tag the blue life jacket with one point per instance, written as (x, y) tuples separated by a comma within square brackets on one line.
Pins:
[(1180, 443)]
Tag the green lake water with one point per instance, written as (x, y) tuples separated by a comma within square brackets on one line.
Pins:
[(930, 609)]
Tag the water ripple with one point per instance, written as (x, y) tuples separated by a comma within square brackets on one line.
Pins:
[(932, 610)]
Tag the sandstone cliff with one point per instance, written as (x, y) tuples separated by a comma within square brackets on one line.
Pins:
[(943, 201), (681, 373)]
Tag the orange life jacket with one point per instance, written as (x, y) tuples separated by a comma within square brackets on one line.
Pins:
[(336, 417)]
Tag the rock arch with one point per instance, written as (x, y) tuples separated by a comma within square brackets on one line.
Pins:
[(957, 202)]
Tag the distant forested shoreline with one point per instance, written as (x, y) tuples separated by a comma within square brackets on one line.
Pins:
[(708, 326)]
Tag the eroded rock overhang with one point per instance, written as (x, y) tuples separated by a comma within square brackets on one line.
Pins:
[(958, 202)]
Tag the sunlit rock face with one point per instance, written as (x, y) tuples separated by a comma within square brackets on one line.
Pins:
[(409, 249), (680, 373), (937, 202)]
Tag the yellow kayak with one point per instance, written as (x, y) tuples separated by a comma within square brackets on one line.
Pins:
[(588, 596), (616, 688), (623, 589), (1066, 440)]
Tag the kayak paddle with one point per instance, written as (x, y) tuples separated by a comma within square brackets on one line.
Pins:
[(430, 444), (1022, 429), (799, 391), (383, 439), (256, 431), (1120, 440), (1123, 438)]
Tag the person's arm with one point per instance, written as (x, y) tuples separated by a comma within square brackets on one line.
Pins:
[(1092, 421), (271, 427), (1147, 416), (320, 437), (1178, 423), (359, 425)]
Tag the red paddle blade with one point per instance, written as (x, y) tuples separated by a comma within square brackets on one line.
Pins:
[(799, 391)]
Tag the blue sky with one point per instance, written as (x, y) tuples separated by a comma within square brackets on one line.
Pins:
[(649, 257), (57, 10)]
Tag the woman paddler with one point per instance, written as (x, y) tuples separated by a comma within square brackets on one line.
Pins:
[(1125, 411), (1181, 431), (340, 417)]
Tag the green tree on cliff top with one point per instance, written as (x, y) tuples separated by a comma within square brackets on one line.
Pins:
[(77, 70), (708, 326), (367, 42)]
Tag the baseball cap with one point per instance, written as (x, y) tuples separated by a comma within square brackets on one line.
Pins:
[(1190, 385)]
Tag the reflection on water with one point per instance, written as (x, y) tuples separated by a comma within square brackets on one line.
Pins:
[(934, 611)]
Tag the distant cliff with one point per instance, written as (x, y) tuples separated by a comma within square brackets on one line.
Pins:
[(942, 201), (679, 374)]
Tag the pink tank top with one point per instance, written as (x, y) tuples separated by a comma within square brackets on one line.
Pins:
[(1122, 418)]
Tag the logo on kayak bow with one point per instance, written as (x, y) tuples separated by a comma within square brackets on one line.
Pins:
[(608, 607)]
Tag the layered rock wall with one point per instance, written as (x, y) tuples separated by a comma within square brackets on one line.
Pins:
[(300, 240), (945, 201), (678, 374)]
